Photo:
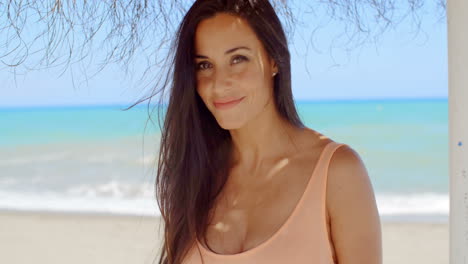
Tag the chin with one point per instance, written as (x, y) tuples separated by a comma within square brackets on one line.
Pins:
[(230, 125)]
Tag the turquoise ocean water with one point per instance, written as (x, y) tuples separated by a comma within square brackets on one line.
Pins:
[(101, 159)]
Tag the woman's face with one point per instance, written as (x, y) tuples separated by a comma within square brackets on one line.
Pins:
[(232, 64)]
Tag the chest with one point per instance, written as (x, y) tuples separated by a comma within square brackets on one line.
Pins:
[(246, 216)]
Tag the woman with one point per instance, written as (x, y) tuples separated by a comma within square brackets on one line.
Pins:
[(240, 178)]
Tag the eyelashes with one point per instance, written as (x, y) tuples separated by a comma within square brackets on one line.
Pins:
[(241, 58), (200, 65)]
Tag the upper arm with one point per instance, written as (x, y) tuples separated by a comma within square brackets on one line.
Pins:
[(354, 218)]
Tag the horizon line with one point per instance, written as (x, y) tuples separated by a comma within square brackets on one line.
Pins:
[(316, 100)]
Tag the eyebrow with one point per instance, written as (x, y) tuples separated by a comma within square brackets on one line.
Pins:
[(198, 56)]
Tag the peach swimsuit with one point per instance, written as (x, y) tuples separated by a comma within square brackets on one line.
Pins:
[(304, 237)]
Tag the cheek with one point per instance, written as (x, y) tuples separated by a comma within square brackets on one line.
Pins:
[(201, 84), (249, 76), (254, 83), (204, 92), (201, 92)]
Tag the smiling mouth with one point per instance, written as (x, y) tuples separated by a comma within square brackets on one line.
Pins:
[(229, 104)]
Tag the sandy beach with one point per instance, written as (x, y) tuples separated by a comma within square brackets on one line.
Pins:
[(49, 238)]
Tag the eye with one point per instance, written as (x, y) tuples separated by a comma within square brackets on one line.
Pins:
[(199, 65), (241, 58)]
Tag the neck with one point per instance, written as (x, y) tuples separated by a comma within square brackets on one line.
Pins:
[(266, 137)]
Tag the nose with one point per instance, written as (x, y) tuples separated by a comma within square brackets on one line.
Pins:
[(222, 81)]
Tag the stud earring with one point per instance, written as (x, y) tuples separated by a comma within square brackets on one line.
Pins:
[(274, 73)]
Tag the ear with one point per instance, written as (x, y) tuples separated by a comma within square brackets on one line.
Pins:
[(273, 65)]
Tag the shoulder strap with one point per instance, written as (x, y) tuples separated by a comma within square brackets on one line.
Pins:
[(325, 164), (327, 155), (321, 170)]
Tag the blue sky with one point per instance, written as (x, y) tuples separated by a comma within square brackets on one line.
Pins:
[(400, 64)]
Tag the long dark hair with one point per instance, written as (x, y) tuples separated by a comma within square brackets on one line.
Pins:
[(194, 155)]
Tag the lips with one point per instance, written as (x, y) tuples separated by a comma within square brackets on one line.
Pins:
[(227, 103)]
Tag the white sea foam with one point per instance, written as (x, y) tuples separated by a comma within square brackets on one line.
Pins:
[(68, 203), (113, 189), (124, 198), (417, 203)]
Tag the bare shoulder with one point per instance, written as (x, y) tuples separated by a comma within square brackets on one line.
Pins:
[(347, 173), (354, 219), (346, 165)]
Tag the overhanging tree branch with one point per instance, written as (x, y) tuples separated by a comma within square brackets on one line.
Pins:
[(36, 34)]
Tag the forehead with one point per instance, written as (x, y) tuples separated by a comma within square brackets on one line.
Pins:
[(224, 31)]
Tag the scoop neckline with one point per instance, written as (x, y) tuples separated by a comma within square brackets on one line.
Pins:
[(283, 226)]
